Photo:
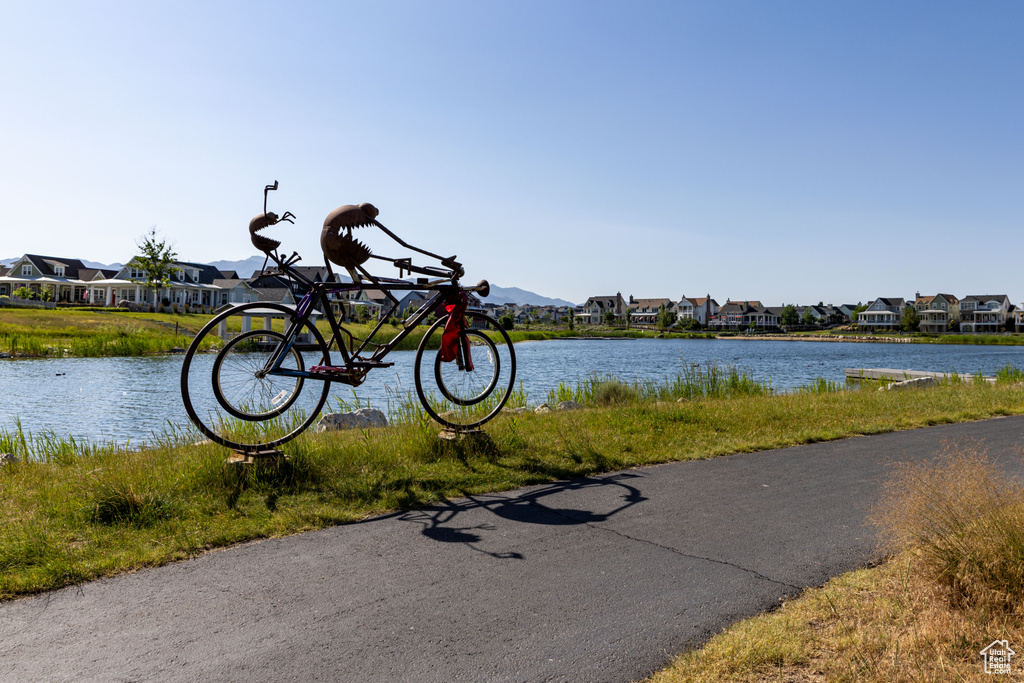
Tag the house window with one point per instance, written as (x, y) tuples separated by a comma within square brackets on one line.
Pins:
[(58, 271), (26, 271), (137, 273)]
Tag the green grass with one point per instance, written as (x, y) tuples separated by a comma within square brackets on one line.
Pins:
[(87, 333), (72, 511)]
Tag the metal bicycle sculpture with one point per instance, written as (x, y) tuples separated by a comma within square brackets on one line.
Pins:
[(246, 397)]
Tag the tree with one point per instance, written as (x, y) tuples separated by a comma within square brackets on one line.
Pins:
[(47, 293), (911, 320), (665, 318), (571, 321), (22, 293), (689, 324), (808, 317), (156, 262), (609, 317), (857, 311), (507, 322), (790, 316)]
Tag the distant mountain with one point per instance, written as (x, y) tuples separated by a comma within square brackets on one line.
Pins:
[(514, 295), (244, 268)]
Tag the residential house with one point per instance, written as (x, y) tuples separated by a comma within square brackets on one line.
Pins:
[(846, 311), (645, 311), (732, 315), (984, 313), (700, 309), (195, 284), (938, 313), (745, 315), (882, 314), (68, 280), (1018, 318), (820, 314), (596, 307)]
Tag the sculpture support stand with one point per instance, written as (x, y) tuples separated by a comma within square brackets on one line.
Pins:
[(243, 458)]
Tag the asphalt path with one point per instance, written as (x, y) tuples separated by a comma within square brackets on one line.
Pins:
[(598, 579)]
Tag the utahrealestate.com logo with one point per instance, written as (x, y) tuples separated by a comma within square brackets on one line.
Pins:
[(997, 657)]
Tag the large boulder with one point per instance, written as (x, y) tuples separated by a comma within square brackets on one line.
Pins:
[(364, 418)]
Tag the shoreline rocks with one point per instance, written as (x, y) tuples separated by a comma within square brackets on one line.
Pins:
[(364, 418)]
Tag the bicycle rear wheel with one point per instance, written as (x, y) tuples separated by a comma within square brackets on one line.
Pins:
[(454, 394), (228, 394)]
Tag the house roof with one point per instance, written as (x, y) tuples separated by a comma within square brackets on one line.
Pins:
[(274, 293), (230, 283), (897, 302), (46, 264), (207, 273), (649, 304), (986, 297), (89, 274), (699, 301)]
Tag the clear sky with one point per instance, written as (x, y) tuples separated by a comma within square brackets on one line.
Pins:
[(789, 151)]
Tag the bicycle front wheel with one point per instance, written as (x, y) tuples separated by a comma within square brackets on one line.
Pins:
[(466, 392), (227, 387)]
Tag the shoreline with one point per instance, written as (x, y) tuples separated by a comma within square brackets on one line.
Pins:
[(835, 338)]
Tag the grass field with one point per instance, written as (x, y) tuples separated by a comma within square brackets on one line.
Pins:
[(85, 333)]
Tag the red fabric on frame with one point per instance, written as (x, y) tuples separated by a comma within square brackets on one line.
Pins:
[(450, 337)]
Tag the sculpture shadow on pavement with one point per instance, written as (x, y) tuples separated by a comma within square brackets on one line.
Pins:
[(543, 505)]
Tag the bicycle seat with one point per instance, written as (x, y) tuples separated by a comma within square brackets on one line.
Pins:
[(343, 249)]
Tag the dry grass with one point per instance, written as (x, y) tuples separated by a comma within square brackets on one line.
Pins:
[(924, 615)]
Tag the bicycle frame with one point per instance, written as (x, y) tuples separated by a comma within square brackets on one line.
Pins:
[(355, 367)]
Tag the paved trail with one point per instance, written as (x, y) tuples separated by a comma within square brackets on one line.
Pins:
[(598, 579)]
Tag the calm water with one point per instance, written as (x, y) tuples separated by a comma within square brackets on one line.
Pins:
[(128, 399)]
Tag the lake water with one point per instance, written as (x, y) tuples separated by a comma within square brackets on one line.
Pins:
[(129, 399)]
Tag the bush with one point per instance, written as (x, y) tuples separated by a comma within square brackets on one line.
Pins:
[(965, 519), (613, 391)]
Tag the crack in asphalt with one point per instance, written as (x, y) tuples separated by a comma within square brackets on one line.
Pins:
[(670, 549)]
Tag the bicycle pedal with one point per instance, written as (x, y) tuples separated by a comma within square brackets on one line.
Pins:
[(328, 370)]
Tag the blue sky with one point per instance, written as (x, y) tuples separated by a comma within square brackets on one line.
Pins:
[(784, 151)]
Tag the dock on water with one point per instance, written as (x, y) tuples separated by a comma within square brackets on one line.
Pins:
[(891, 375)]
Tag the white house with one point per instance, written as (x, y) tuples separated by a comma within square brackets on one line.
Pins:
[(700, 309), (984, 313)]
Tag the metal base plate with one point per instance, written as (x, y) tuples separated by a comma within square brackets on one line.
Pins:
[(449, 434), (250, 457)]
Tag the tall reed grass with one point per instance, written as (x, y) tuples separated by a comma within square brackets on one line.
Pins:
[(710, 380), (965, 518)]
